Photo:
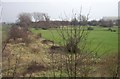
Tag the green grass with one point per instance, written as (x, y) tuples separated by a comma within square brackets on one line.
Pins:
[(5, 28), (107, 40)]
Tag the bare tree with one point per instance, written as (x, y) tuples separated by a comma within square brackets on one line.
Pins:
[(41, 19), (24, 20), (46, 17), (78, 57), (82, 19), (40, 16)]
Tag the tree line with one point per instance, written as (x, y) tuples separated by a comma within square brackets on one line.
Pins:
[(43, 20)]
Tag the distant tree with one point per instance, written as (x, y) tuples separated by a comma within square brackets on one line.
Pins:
[(107, 23), (47, 18), (40, 16), (47, 21), (90, 28), (74, 21), (82, 19), (41, 19), (115, 22), (93, 23), (110, 23), (118, 23)]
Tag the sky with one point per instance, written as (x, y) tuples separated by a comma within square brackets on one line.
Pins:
[(58, 9)]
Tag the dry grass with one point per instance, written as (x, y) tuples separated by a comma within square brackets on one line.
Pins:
[(35, 51)]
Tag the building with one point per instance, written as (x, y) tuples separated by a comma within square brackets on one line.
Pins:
[(112, 18)]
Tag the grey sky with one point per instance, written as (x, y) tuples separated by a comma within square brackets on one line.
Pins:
[(57, 8)]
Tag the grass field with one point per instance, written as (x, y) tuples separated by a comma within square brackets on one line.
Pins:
[(108, 40)]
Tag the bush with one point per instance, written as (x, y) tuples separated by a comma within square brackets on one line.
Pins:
[(109, 29), (44, 28), (18, 32), (72, 45), (90, 28), (39, 35), (36, 28), (112, 30)]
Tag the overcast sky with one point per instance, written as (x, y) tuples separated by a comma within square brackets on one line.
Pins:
[(58, 8)]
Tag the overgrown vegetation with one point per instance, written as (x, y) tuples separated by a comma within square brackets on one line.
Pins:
[(64, 51)]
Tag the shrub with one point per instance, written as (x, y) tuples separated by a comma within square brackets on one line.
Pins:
[(112, 30), (36, 28), (44, 28), (19, 32), (13, 33), (90, 28), (72, 45), (39, 35)]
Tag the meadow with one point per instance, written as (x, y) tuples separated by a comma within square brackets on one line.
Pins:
[(107, 41), (100, 36)]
